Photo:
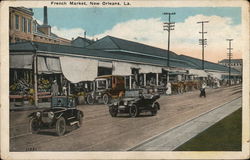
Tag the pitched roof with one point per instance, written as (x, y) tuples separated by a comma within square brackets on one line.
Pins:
[(207, 65), (232, 61), (113, 43)]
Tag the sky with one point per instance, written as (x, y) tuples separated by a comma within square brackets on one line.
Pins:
[(145, 25)]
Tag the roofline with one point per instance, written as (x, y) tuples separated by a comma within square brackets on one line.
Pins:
[(139, 53), (135, 42), (93, 57)]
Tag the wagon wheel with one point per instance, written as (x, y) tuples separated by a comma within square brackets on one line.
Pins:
[(34, 126), (106, 99), (133, 111), (155, 108), (60, 126), (113, 111), (90, 99)]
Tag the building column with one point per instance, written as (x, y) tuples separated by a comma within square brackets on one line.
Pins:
[(130, 82), (157, 79), (168, 76), (145, 79), (35, 81)]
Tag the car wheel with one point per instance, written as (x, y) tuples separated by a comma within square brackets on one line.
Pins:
[(133, 111), (79, 118), (60, 126), (34, 126), (106, 99), (113, 111), (155, 108), (90, 99)]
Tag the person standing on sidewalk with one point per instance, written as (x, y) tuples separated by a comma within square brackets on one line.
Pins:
[(203, 90), (54, 88)]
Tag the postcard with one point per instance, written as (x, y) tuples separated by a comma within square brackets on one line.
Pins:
[(125, 79)]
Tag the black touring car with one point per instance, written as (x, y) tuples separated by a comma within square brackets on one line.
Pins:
[(62, 113), (134, 103)]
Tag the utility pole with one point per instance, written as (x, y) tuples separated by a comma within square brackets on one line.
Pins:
[(202, 41), (229, 54), (168, 26)]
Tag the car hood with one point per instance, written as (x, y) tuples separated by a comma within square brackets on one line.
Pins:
[(56, 109)]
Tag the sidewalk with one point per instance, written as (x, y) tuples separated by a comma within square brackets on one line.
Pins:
[(171, 139), (30, 107)]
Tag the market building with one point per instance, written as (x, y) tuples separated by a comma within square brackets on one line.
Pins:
[(235, 63), (39, 64)]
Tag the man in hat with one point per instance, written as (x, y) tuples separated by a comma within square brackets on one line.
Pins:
[(54, 88)]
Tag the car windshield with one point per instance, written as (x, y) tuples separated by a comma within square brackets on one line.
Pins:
[(101, 84)]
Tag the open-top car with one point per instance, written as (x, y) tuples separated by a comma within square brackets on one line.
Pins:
[(134, 103), (62, 113), (106, 88)]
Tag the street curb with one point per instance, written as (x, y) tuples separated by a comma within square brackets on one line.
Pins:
[(162, 133)]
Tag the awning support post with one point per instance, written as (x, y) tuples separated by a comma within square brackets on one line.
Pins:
[(130, 82), (145, 79), (157, 79), (35, 81)]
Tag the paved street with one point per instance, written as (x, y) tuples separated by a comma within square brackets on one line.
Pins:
[(101, 132)]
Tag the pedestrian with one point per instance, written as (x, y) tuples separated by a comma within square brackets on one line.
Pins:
[(54, 88), (203, 89), (168, 88)]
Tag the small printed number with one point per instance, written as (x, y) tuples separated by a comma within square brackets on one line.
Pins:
[(31, 149)]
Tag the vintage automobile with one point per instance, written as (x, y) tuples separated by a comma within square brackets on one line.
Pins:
[(134, 103), (106, 88), (62, 113)]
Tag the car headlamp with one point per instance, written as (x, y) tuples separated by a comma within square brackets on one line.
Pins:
[(51, 115), (125, 103), (100, 93), (38, 114), (115, 103)]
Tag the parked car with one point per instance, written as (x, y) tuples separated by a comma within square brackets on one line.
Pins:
[(134, 103), (106, 88), (62, 113)]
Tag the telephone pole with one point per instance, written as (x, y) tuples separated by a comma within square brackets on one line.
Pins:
[(230, 55), (202, 41), (168, 26)]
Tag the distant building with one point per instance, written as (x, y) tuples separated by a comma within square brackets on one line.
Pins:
[(81, 42), (24, 28), (235, 63)]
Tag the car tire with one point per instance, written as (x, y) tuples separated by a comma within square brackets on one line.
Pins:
[(155, 107), (133, 111), (34, 125), (106, 99), (60, 126), (113, 111), (90, 99), (79, 118)]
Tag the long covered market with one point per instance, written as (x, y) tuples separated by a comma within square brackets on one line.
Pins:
[(34, 66)]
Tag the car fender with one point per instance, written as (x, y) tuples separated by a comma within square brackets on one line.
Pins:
[(157, 104), (32, 115), (57, 117)]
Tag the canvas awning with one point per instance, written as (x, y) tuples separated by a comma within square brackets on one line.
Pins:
[(79, 69), (121, 68), (42, 66), (215, 75), (53, 65), (199, 73), (21, 61), (150, 69), (104, 64)]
